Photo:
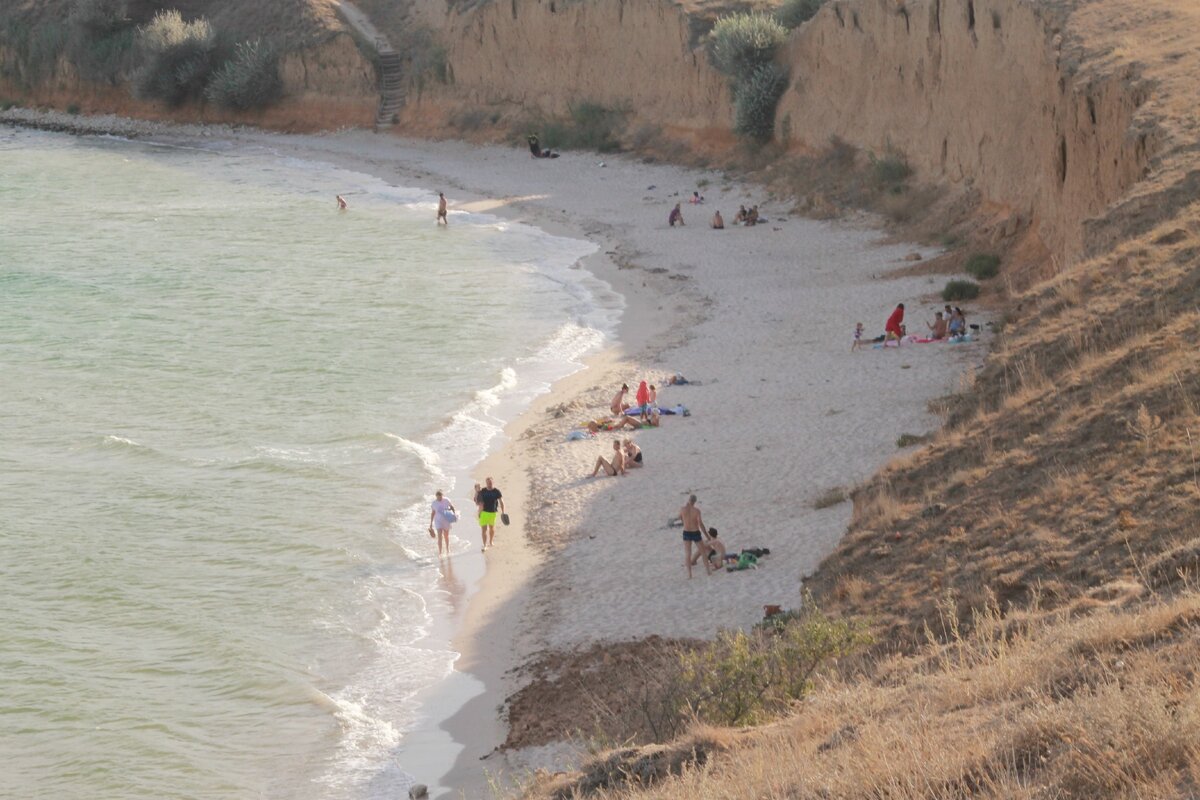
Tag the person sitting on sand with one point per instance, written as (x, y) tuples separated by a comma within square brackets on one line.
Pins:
[(614, 467), (740, 216), (718, 222), (938, 328), (752, 216), (677, 380), (618, 404), (893, 329), (715, 548), (633, 455), (957, 323), (696, 199), (341, 201), (962, 318), (676, 216)]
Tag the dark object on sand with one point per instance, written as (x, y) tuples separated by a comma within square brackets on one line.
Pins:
[(504, 518), (770, 611), (535, 148)]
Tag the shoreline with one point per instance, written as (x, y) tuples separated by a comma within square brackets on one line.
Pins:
[(691, 296)]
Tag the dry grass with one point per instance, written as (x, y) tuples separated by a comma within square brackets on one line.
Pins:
[(1087, 702)]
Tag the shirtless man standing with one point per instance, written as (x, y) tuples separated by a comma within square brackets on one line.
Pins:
[(693, 527), (441, 217)]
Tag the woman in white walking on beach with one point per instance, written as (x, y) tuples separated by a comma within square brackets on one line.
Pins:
[(442, 514)]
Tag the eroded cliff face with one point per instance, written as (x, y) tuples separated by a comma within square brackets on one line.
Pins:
[(546, 55), (971, 92), (977, 94)]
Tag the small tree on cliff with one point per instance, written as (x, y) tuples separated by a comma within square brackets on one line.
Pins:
[(176, 58), (743, 46), (754, 104), (248, 80), (741, 43)]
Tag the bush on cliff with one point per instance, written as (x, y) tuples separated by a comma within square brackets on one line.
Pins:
[(743, 678), (100, 18), (960, 290), (741, 43), (982, 266), (793, 13), (101, 39), (249, 79), (176, 58), (754, 107)]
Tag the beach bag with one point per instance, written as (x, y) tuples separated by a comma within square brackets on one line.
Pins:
[(450, 515)]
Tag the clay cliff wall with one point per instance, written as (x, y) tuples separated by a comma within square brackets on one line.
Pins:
[(982, 93), (976, 94), (545, 55)]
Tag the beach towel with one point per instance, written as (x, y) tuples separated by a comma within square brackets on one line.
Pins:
[(575, 436), (745, 561), (679, 410)]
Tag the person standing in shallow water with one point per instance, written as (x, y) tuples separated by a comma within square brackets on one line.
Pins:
[(442, 515), (491, 502), (441, 215), (693, 533)]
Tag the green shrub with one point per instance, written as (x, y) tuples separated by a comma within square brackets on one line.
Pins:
[(982, 266), (591, 127), (795, 12), (891, 170), (960, 290), (596, 127), (248, 80), (742, 678), (741, 43), (99, 18), (754, 106), (176, 58), (102, 40)]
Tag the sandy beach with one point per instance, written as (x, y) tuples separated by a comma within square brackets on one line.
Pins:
[(758, 319)]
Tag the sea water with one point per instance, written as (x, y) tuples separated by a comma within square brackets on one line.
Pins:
[(224, 407)]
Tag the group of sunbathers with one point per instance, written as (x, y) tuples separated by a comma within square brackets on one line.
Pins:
[(948, 325), (626, 455)]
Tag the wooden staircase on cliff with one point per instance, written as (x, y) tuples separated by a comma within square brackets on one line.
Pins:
[(391, 86)]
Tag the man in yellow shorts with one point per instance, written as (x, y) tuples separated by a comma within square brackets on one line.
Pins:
[(490, 502)]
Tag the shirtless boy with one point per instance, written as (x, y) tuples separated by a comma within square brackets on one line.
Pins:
[(441, 217)]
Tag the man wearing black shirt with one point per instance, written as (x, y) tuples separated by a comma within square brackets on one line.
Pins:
[(490, 500)]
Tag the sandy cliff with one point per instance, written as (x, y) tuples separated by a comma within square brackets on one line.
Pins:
[(546, 55), (1000, 96), (989, 93)]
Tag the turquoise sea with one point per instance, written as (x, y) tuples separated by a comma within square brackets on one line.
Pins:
[(225, 408)]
